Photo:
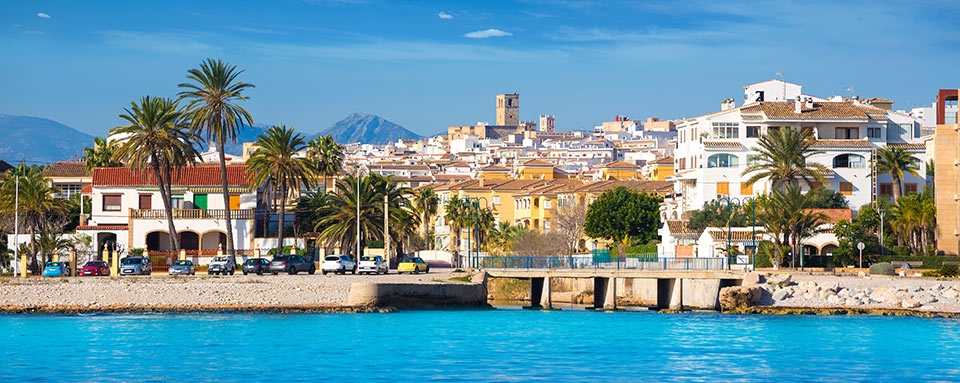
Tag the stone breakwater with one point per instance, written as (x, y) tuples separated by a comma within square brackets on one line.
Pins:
[(788, 293)]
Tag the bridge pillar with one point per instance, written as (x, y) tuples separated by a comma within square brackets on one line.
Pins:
[(700, 294), (605, 293), (540, 291), (670, 293)]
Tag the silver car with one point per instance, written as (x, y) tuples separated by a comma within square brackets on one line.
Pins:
[(183, 267), (135, 266)]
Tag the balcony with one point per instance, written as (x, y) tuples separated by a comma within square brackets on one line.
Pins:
[(193, 214)]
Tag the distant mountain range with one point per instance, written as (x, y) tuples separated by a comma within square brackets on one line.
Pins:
[(367, 129), (39, 140), (42, 140)]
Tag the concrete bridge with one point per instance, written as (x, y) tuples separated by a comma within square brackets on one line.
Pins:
[(663, 289)]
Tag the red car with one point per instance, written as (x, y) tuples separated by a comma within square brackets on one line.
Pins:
[(95, 268)]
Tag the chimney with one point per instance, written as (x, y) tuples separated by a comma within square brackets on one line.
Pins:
[(727, 103), (481, 179), (809, 103), (797, 105)]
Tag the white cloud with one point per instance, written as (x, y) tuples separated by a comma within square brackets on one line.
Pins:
[(43, 15), (444, 15), (487, 33)]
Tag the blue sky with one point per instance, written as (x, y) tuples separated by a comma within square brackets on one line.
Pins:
[(428, 65)]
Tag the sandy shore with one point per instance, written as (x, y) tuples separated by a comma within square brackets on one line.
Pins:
[(201, 292)]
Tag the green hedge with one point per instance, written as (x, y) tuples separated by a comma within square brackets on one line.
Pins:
[(929, 261)]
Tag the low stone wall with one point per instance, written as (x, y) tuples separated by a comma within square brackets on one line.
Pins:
[(418, 295)]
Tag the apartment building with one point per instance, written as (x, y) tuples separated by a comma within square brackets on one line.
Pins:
[(69, 177), (713, 150), (947, 172)]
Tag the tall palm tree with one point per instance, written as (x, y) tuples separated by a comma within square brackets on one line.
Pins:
[(426, 202), (100, 155), (327, 156), (276, 162), (454, 214), (213, 107), (338, 227), (782, 158), (40, 212), (788, 215), (156, 139), (896, 161)]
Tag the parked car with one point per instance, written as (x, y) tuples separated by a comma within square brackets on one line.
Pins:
[(183, 267), (135, 266), (372, 265), (412, 265), (338, 263), (95, 268), (256, 265), (221, 264), (56, 269), (291, 264)]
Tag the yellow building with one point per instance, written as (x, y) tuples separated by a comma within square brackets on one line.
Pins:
[(494, 172), (537, 169), (661, 168), (620, 170)]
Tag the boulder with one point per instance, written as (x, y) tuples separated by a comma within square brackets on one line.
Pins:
[(950, 294), (781, 294), (831, 286), (909, 304), (782, 280), (852, 302), (739, 296), (752, 279), (833, 299)]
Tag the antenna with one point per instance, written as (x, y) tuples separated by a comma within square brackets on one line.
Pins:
[(852, 92)]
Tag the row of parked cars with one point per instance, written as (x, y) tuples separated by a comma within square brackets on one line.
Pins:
[(223, 265)]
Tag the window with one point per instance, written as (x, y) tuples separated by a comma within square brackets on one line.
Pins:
[(723, 160), (496, 200), (909, 188), (886, 189), (846, 188), (906, 131), (111, 202), (683, 163), (723, 188), (746, 188), (816, 185), (547, 204), (807, 131), (68, 190), (145, 202), (752, 159), (234, 202), (873, 132), (847, 133), (753, 131), (849, 161), (546, 226), (176, 201), (898, 132), (726, 130)]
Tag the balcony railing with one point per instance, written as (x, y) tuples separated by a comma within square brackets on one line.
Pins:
[(193, 214)]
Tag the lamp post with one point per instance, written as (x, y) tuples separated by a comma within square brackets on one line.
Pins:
[(358, 214), (16, 220), (881, 212)]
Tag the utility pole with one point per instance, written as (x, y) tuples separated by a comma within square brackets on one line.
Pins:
[(16, 222)]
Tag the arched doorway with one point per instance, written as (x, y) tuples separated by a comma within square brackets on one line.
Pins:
[(828, 249), (106, 241), (189, 240), (158, 241), (213, 240)]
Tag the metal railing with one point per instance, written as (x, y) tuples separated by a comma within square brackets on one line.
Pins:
[(583, 262), (193, 214)]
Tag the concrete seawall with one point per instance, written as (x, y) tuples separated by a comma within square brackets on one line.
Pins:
[(418, 295)]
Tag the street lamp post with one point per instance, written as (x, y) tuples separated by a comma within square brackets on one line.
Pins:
[(358, 214), (16, 221)]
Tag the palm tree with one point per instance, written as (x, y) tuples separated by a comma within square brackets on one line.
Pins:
[(502, 235), (156, 139), (100, 155), (213, 108), (327, 155), (788, 215), (40, 212), (426, 202), (454, 214), (896, 161), (276, 162), (783, 158), (338, 226)]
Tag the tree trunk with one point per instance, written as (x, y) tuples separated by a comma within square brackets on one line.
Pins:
[(897, 191), (226, 197), (33, 249), (165, 196), (283, 204)]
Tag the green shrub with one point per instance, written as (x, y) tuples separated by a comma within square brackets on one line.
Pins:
[(136, 252), (949, 271), (901, 250), (375, 243), (929, 262), (882, 268), (932, 273)]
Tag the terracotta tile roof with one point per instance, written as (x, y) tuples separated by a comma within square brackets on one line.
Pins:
[(680, 227), (842, 144), (723, 144), (552, 187), (379, 166), (619, 165), (102, 227), (835, 215), (908, 146), (450, 177), (662, 161), (819, 111), (494, 168), (66, 169), (657, 187), (737, 234), (536, 162), (87, 189), (189, 176)]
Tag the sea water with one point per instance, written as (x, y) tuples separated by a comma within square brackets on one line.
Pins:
[(482, 345)]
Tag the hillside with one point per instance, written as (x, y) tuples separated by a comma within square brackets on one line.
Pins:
[(367, 129), (39, 140)]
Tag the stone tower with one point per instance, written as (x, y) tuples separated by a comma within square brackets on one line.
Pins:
[(508, 109), (547, 123)]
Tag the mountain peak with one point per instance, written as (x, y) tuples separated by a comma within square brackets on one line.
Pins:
[(39, 139), (367, 129)]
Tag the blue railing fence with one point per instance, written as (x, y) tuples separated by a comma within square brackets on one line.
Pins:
[(601, 261)]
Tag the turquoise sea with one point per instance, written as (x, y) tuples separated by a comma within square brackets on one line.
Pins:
[(483, 345)]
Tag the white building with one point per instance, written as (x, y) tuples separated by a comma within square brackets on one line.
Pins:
[(714, 149)]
